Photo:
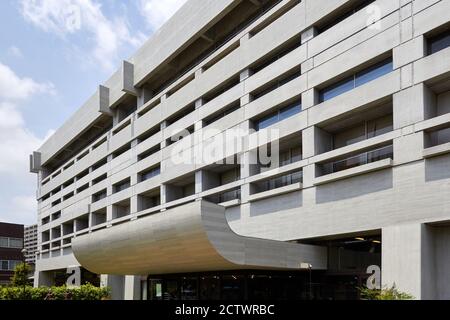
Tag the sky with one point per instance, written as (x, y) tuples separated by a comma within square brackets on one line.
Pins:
[(53, 56)]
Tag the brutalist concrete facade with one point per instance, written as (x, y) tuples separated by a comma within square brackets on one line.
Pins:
[(358, 93)]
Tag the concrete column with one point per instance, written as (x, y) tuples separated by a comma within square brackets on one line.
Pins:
[(413, 105), (205, 180), (109, 213), (310, 98), (115, 283), (245, 74), (315, 141), (132, 288), (309, 34), (199, 124), (408, 259), (163, 126), (409, 147), (199, 181), (43, 279), (246, 99), (144, 95), (134, 207)]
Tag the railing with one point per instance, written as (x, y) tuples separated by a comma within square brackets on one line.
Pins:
[(279, 182), (358, 160), (226, 196)]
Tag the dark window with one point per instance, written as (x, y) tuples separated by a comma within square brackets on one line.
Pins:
[(281, 81), (279, 182), (356, 80), (121, 151), (181, 114), (100, 164), (228, 110), (82, 188), (99, 179), (278, 116), (277, 55), (439, 42), (224, 87), (99, 196), (123, 185), (358, 160), (359, 5), (146, 175), (149, 152)]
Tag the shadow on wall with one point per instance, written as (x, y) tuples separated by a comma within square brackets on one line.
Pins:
[(233, 214), (355, 187), (281, 203), (437, 168)]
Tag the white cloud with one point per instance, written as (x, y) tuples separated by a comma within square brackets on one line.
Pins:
[(156, 12), (17, 203), (66, 17), (15, 52), (14, 88)]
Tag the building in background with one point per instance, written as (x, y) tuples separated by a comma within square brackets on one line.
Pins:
[(357, 95), (30, 244), (11, 245)]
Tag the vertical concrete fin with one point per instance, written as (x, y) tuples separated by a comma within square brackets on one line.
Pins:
[(103, 100), (128, 78), (35, 162)]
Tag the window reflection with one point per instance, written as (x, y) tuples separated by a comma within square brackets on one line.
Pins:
[(356, 80)]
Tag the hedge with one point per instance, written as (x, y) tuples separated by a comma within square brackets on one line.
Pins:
[(85, 292)]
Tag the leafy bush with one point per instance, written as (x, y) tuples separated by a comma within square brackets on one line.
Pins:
[(85, 292), (384, 294)]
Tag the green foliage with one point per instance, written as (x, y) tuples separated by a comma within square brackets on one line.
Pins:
[(20, 277), (391, 293), (85, 292)]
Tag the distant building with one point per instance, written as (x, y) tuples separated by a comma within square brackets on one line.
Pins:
[(30, 244), (11, 245)]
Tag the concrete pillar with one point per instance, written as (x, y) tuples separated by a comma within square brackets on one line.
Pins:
[(199, 124), (409, 147), (134, 206), (310, 98), (132, 288), (413, 105), (115, 283), (309, 34), (170, 193), (144, 95), (315, 141), (163, 126), (408, 259), (245, 74), (43, 279)]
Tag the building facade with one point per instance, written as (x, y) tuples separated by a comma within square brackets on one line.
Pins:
[(11, 245), (31, 244), (261, 149)]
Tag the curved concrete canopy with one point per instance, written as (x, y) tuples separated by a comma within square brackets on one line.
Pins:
[(191, 238)]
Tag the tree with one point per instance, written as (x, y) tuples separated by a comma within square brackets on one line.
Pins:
[(20, 277)]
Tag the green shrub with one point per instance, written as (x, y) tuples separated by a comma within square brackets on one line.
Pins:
[(384, 294), (85, 292), (20, 277)]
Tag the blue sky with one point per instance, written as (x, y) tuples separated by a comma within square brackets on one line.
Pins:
[(53, 56)]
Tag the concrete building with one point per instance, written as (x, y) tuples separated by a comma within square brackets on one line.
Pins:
[(342, 167), (31, 244), (11, 245)]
